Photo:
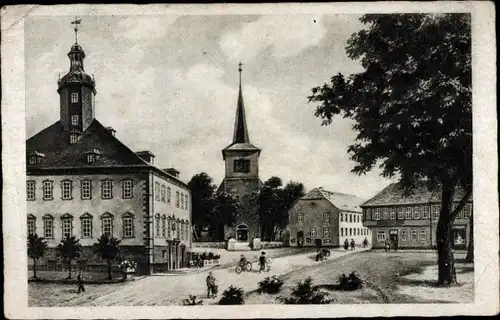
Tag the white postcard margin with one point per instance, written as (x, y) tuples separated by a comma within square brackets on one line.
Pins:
[(486, 237)]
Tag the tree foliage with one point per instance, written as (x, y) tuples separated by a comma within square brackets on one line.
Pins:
[(36, 249), (202, 192), (108, 248), (411, 106), (69, 249), (226, 208), (305, 293), (274, 201)]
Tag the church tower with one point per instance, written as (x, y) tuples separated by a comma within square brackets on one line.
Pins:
[(77, 94), (242, 174)]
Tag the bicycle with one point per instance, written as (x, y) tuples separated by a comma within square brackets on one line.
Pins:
[(247, 266)]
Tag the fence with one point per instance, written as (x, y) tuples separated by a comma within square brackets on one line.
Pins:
[(214, 245)]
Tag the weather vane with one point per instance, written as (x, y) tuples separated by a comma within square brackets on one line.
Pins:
[(76, 23)]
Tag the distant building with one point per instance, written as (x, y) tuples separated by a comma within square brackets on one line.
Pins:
[(410, 221), (325, 218), (83, 182), (242, 176)]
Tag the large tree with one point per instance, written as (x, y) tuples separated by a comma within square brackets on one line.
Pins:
[(69, 249), (202, 192), (273, 202), (36, 249), (108, 248), (412, 108), (226, 208)]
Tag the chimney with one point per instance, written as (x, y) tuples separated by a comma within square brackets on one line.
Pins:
[(147, 156), (111, 130), (172, 171)]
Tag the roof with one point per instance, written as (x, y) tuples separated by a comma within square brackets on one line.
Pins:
[(241, 146), (342, 201), (393, 195), (60, 154)]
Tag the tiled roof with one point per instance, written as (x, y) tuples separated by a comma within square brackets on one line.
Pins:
[(53, 142), (393, 195), (241, 146), (343, 201)]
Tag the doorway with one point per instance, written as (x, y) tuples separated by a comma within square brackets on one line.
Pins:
[(242, 232), (318, 243), (300, 239), (393, 238)]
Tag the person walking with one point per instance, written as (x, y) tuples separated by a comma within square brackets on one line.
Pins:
[(353, 244), (387, 245), (365, 243), (262, 262), (211, 286), (346, 244), (79, 279)]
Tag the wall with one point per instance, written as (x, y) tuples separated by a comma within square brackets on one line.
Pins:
[(313, 218), (355, 226), (96, 206), (253, 156)]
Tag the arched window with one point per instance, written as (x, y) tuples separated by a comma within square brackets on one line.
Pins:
[(107, 224), (128, 225), (67, 225), (86, 225), (48, 226)]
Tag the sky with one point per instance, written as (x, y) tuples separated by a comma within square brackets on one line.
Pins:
[(169, 84)]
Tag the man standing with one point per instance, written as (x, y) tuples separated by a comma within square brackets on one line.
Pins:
[(262, 262), (353, 244), (346, 244), (211, 286), (79, 278)]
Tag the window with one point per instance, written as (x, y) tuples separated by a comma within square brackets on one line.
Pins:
[(182, 200), (377, 214), (435, 209), (66, 190), (241, 165), (403, 235), (386, 214), (423, 235), (127, 190), (326, 232), (468, 210), (74, 97), (326, 217), (186, 202), (157, 218), (75, 119), (30, 189), (413, 234), (341, 217), (187, 230), (350, 231), (31, 226), (157, 191), (181, 227), (300, 217), (163, 193), (341, 232), (32, 159), (169, 195), (380, 235), (67, 227), (107, 189), (408, 212), (393, 213), (400, 213), (107, 224), (416, 213), (164, 226), (48, 187), (425, 212), (177, 195), (90, 157), (86, 189), (48, 227), (86, 222), (128, 226), (169, 227), (73, 138), (164, 254), (313, 233), (367, 214), (350, 217)]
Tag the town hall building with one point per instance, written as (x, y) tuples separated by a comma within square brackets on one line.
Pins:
[(83, 182), (241, 159)]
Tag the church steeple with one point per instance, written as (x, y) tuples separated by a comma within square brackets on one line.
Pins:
[(240, 124)]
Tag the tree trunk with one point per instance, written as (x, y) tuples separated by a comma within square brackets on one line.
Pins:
[(69, 267), (446, 260), (470, 251), (34, 268), (109, 269)]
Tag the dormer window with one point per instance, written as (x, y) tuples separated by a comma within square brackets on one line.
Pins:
[(73, 138), (74, 97), (93, 155), (75, 119), (34, 157)]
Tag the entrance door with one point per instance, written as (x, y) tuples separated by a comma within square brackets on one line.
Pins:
[(300, 239), (242, 232), (317, 242), (393, 238)]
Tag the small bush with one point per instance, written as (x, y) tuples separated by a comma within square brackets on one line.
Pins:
[(305, 293), (192, 301), (351, 283), (210, 256), (204, 256), (232, 296), (216, 256), (271, 285)]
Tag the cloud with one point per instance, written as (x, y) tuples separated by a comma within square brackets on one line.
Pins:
[(286, 35), (145, 27)]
